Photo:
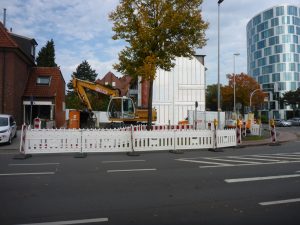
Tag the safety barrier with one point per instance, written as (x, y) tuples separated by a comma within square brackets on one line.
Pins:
[(37, 141), (226, 138), (255, 129)]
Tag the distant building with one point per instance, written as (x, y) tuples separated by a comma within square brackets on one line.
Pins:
[(273, 52)]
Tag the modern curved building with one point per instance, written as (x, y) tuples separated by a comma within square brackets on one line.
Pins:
[(273, 48)]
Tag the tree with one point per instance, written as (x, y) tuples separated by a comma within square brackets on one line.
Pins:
[(156, 31), (244, 86), (98, 101), (292, 98), (84, 72), (211, 97), (46, 56)]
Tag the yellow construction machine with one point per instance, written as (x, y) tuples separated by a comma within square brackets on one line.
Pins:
[(120, 110)]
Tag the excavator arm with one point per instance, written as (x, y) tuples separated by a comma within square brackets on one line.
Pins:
[(80, 85)]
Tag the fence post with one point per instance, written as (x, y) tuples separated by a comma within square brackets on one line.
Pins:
[(132, 153), (80, 154), (22, 154)]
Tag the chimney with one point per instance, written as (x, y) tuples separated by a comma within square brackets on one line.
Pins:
[(4, 17)]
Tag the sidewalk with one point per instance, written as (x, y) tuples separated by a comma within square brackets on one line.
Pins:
[(282, 136)]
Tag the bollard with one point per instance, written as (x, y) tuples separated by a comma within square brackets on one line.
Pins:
[(273, 134)]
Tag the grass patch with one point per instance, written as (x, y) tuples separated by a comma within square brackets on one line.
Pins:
[(253, 138)]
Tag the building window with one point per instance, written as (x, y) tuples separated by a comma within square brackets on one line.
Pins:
[(279, 30), (268, 14), (274, 59), (113, 84), (287, 76), (274, 22), (274, 40), (262, 26), (267, 51), (275, 77), (286, 38), (285, 20), (291, 29), (292, 11), (296, 76), (256, 20), (281, 67), (43, 80), (295, 39), (279, 11), (261, 44), (257, 54), (278, 49), (261, 62), (292, 66), (287, 57)]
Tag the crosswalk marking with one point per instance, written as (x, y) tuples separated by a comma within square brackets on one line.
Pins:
[(231, 160), (244, 160), (252, 158)]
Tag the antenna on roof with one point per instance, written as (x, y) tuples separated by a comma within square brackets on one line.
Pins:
[(4, 17)]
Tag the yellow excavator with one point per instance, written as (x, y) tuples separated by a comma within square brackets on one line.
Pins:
[(120, 110)]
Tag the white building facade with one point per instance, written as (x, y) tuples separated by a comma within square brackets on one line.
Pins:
[(176, 91)]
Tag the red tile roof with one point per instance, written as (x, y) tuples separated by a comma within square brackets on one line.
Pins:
[(32, 89), (5, 39)]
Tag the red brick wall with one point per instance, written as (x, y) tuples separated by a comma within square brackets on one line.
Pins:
[(60, 98), (16, 75)]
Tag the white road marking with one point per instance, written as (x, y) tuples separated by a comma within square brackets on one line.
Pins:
[(33, 164), (205, 162), (25, 174), (258, 164), (266, 160), (230, 160), (237, 180), (277, 157), (130, 170), (124, 161), (280, 202), (95, 220)]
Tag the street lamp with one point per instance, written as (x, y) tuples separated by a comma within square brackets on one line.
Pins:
[(251, 94), (234, 108), (219, 94)]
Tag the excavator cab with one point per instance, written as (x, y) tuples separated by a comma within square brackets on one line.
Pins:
[(120, 108)]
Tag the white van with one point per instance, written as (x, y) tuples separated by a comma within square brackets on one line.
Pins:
[(8, 128)]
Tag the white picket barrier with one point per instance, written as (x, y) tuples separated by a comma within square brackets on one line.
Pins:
[(193, 139), (106, 141), (52, 141), (255, 129), (154, 140), (39, 141), (226, 138)]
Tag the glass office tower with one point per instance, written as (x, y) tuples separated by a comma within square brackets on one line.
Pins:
[(273, 48)]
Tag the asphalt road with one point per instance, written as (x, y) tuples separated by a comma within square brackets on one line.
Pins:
[(253, 185)]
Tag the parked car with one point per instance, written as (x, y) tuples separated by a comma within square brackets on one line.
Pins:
[(282, 123), (8, 128), (295, 121)]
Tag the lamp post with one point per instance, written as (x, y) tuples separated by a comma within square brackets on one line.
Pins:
[(234, 107), (219, 94), (251, 94)]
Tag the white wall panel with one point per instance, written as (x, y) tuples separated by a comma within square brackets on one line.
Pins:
[(175, 91)]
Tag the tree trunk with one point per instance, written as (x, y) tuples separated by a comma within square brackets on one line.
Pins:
[(150, 97)]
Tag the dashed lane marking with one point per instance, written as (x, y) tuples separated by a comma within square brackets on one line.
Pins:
[(280, 202), (248, 179), (70, 222)]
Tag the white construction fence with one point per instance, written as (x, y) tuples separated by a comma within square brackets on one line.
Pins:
[(38, 141)]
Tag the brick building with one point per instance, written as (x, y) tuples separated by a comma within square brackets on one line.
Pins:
[(17, 65)]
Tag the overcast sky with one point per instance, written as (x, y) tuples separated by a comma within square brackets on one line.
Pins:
[(81, 31)]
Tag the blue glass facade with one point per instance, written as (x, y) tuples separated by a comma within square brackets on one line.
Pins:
[(273, 48)]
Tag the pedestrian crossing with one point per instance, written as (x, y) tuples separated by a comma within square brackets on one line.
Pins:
[(244, 160)]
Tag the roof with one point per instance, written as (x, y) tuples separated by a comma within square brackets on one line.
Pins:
[(32, 89), (5, 38)]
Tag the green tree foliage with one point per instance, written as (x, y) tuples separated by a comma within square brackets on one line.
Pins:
[(292, 98), (98, 101), (156, 31), (46, 56), (211, 97), (84, 72)]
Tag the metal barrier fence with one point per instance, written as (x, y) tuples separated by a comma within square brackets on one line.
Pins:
[(37, 141)]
